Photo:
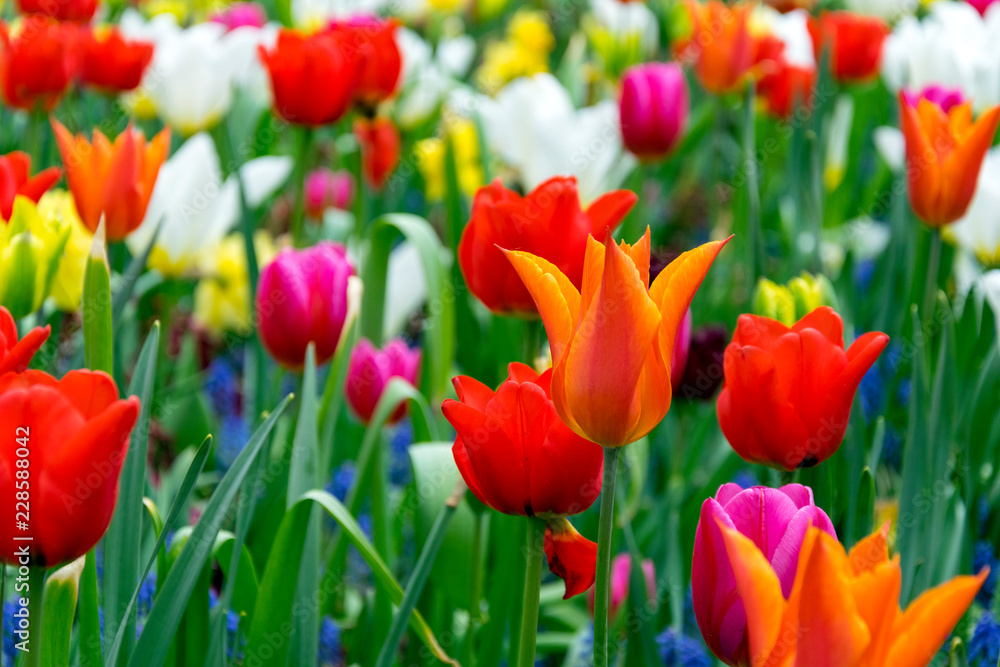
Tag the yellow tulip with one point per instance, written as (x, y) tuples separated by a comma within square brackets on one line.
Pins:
[(67, 287), (31, 247)]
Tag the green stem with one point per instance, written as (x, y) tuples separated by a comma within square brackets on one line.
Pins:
[(933, 267), (90, 624), (786, 477), (475, 590), (534, 551), (36, 587), (380, 529), (301, 170), (602, 584), (754, 242)]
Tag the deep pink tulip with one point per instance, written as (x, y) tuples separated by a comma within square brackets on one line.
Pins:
[(370, 371), (945, 98), (678, 362), (325, 188), (621, 580), (654, 109), (981, 5), (240, 15), (303, 297), (776, 520)]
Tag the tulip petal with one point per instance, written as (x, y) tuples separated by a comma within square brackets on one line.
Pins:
[(556, 297), (871, 551), (717, 609), (566, 471), (519, 372), (923, 171), (608, 210), (785, 559), (876, 594), (472, 392), (606, 356), (961, 168), (925, 625), (90, 392), (18, 357), (572, 557), (826, 321)]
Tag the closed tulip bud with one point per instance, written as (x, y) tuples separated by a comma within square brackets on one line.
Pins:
[(774, 301), (371, 369), (76, 11), (519, 458), (548, 222), (75, 432), (776, 521), (241, 15), (654, 109), (854, 42), (788, 393), (111, 63), (16, 179), (621, 582), (37, 62), (113, 180), (15, 355), (306, 296), (374, 39), (810, 292), (325, 189), (380, 146), (31, 249)]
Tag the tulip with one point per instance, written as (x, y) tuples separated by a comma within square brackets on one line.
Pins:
[(31, 250), (313, 78), (788, 391), (775, 521), (621, 575), (371, 369), (785, 6), (76, 11), (784, 88), (430, 155), (67, 286), (77, 431), (306, 296), (654, 109), (241, 15), (790, 303), (981, 5), (548, 222), (380, 147), (375, 40), (16, 179), (325, 189), (612, 341), (519, 458), (843, 608), (854, 42), (15, 355), (942, 97), (944, 153), (112, 63), (621, 34), (37, 63), (112, 180), (720, 45)]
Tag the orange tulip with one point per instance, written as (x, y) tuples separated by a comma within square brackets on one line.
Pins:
[(612, 341), (843, 609), (720, 45), (112, 179), (944, 152)]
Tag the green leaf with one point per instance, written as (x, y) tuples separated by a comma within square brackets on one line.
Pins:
[(440, 331), (866, 505), (98, 348), (276, 597), (123, 541), (159, 553), (170, 604), (135, 269), (58, 609)]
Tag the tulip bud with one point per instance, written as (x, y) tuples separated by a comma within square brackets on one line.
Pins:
[(621, 579), (981, 5), (774, 301), (380, 146), (325, 189), (77, 432), (306, 296), (370, 371), (854, 42), (654, 109), (15, 355), (810, 292), (943, 97), (776, 520), (37, 60), (241, 14), (31, 248)]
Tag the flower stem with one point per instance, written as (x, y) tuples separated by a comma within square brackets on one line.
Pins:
[(534, 550), (933, 267), (36, 587), (301, 170), (602, 585)]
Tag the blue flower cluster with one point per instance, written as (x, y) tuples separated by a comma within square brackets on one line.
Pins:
[(677, 650), (984, 648), (222, 386), (329, 643)]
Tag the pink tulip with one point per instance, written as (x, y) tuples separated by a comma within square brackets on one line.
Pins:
[(325, 189), (776, 520), (654, 109), (946, 98), (621, 573), (240, 15), (678, 362), (370, 371), (303, 297), (981, 5)]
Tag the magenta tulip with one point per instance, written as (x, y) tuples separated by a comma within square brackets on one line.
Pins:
[(981, 5), (325, 189), (654, 109), (776, 520), (241, 15), (304, 297), (370, 371), (621, 581), (945, 98)]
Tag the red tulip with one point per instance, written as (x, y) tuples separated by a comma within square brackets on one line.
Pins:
[(75, 435), (654, 109), (111, 63), (371, 369), (305, 296), (548, 223), (375, 40), (15, 355), (16, 179), (76, 11), (380, 147), (783, 87), (788, 392), (37, 62), (313, 77), (854, 42), (518, 457)]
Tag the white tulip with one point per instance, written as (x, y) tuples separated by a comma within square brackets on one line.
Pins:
[(428, 76), (195, 208), (978, 232)]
